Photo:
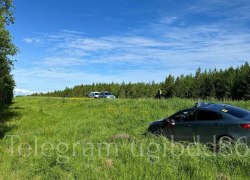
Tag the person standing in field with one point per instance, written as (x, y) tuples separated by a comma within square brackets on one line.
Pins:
[(159, 94)]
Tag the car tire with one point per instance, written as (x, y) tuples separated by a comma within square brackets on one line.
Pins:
[(225, 139), (225, 145), (157, 132)]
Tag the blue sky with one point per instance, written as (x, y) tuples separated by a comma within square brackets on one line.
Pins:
[(66, 43)]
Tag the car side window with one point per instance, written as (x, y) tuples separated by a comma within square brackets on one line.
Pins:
[(185, 116), (203, 115)]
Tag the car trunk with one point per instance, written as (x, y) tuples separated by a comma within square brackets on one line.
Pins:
[(246, 118)]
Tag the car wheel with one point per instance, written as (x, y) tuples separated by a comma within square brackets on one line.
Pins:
[(226, 139), (158, 132), (225, 145)]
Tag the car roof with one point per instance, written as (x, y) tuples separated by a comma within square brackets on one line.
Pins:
[(237, 111), (206, 106), (210, 106), (213, 106)]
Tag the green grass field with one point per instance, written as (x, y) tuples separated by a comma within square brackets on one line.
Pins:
[(57, 138)]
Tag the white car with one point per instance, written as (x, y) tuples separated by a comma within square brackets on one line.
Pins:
[(94, 94)]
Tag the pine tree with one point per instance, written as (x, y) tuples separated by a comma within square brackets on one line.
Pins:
[(169, 86)]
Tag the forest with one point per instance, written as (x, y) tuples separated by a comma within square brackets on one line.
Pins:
[(231, 83)]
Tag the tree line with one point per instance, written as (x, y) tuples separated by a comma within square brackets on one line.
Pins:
[(231, 83), (7, 49)]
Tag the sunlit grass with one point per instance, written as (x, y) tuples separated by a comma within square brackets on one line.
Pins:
[(81, 138)]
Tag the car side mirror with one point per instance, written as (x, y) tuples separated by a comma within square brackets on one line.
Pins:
[(172, 122)]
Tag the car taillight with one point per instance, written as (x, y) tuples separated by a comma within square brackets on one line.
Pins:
[(245, 126)]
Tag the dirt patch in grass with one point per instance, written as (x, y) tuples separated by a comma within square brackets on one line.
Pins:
[(109, 163), (222, 176), (122, 136)]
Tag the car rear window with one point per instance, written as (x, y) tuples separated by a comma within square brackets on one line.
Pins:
[(236, 111)]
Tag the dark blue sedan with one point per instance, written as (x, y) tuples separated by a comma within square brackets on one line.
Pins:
[(206, 122)]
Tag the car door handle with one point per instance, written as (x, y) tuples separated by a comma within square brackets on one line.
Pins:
[(187, 125), (216, 124)]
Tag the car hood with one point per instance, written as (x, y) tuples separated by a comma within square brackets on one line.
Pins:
[(159, 122)]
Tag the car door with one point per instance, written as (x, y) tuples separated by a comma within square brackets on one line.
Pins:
[(101, 95), (207, 126), (182, 130)]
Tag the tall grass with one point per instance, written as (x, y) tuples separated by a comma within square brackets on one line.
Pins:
[(79, 138)]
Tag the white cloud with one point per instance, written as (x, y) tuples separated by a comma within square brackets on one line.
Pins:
[(63, 61), (56, 79), (168, 20), (178, 51), (22, 92), (33, 40)]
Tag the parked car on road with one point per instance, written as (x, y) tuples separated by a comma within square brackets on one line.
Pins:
[(107, 95), (206, 122), (94, 94)]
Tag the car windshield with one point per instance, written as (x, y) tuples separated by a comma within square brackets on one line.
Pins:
[(185, 116), (108, 93), (236, 111), (97, 93)]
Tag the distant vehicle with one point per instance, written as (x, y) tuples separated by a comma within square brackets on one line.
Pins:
[(94, 94), (206, 122), (107, 95)]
